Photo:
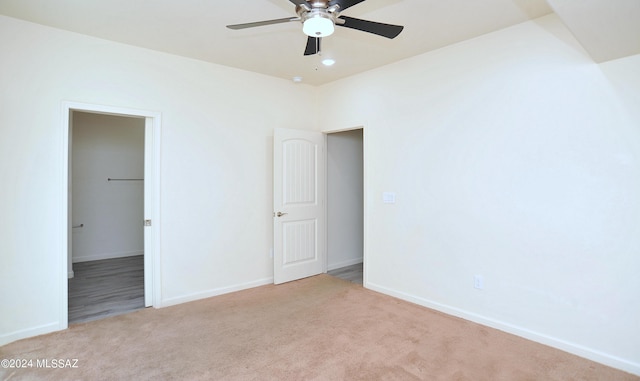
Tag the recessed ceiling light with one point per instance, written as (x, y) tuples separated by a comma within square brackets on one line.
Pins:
[(328, 62)]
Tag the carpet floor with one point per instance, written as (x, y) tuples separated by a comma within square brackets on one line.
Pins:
[(318, 328)]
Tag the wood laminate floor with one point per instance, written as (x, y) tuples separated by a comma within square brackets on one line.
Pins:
[(106, 288), (353, 273)]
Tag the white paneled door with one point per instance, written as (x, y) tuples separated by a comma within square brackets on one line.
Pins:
[(299, 204)]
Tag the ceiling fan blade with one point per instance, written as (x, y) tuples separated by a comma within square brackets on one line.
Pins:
[(385, 30), (261, 23), (344, 4), (313, 46), (298, 2)]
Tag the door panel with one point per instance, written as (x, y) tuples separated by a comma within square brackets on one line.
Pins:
[(299, 242), (299, 202)]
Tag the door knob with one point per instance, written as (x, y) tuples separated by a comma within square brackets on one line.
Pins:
[(280, 214)]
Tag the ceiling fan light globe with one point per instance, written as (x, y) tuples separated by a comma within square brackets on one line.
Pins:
[(318, 26)]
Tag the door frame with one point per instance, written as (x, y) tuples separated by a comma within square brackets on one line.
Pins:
[(151, 199), (328, 182), (364, 196)]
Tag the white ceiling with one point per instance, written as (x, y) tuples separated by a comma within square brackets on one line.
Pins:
[(196, 29)]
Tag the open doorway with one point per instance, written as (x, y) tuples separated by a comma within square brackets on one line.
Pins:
[(139, 181), (345, 205), (107, 204)]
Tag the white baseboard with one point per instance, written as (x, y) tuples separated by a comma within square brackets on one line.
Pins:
[(349, 262), (578, 350), (29, 332), (214, 292), (101, 256)]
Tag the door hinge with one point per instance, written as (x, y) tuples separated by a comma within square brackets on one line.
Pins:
[(147, 222)]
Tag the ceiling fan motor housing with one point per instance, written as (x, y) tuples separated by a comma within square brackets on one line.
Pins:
[(318, 20)]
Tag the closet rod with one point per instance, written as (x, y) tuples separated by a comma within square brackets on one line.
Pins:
[(110, 179)]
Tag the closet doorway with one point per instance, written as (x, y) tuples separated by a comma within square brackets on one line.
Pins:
[(112, 187), (107, 188)]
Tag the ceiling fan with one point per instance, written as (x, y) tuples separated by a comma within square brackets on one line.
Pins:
[(319, 17)]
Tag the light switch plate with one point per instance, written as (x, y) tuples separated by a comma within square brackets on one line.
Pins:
[(388, 197)]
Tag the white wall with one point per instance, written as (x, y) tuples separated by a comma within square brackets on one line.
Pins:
[(345, 199), (216, 176), (111, 212), (517, 158)]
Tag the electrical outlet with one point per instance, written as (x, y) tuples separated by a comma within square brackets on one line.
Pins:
[(478, 282)]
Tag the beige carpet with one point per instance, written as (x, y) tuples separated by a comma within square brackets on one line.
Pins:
[(319, 328)]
